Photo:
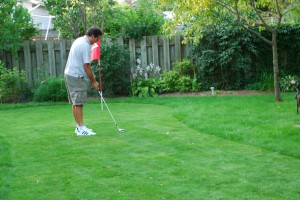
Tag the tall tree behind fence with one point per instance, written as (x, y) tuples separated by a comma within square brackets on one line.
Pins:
[(43, 59)]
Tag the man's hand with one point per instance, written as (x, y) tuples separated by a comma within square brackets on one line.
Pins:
[(95, 85)]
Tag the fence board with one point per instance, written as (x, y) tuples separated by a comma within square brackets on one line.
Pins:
[(39, 54), (155, 50), (63, 56), (52, 68), (132, 53), (143, 52), (177, 48), (166, 48), (27, 59), (15, 62)]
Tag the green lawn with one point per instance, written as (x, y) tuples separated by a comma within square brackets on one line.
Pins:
[(221, 147)]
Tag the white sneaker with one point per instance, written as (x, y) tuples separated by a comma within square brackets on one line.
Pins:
[(86, 128), (84, 132)]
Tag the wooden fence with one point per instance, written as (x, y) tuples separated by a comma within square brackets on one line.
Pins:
[(43, 59)]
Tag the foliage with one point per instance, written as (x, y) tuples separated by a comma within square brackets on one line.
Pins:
[(263, 82), (183, 78), (251, 15), (289, 83), (168, 82), (149, 82), (74, 17), (196, 14), (293, 17), (171, 81), (145, 87), (144, 81), (145, 20), (12, 85), (188, 76), (224, 57), (184, 84), (196, 86), (151, 71), (52, 89), (185, 67), (133, 22), (16, 25), (115, 69)]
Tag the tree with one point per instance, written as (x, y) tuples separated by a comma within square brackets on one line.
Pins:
[(252, 15), (73, 17), (16, 25)]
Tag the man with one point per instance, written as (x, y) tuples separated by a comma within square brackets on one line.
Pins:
[(78, 73)]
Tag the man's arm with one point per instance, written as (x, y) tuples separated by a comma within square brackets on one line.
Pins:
[(89, 72)]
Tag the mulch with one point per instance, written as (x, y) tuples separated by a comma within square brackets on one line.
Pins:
[(219, 93)]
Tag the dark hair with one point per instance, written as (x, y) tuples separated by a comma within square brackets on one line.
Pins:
[(95, 31)]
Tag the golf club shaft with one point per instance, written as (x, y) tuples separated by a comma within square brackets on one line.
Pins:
[(102, 99)]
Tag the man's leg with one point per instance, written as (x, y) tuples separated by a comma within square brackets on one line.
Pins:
[(78, 114)]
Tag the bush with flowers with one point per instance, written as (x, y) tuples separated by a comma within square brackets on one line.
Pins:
[(289, 83), (149, 81), (145, 81)]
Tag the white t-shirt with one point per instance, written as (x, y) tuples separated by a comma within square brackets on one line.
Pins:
[(80, 53)]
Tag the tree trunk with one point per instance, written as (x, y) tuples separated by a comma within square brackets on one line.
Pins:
[(275, 67)]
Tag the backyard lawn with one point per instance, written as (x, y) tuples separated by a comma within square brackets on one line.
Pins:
[(196, 147)]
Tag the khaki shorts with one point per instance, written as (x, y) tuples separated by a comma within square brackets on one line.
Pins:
[(77, 88)]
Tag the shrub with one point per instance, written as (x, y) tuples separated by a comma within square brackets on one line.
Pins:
[(168, 81), (265, 82), (145, 88), (149, 82), (144, 82), (13, 87), (52, 89), (184, 84), (183, 78), (115, 69), (195, 84), (224, 57), (289, 83), (185, 68)]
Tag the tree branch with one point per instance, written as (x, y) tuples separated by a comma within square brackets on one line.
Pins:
[(259, 16), (240, 19)]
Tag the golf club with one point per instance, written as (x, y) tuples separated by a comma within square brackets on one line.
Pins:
[(102, 100)]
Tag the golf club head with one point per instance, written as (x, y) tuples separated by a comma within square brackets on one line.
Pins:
[(121, 130)]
